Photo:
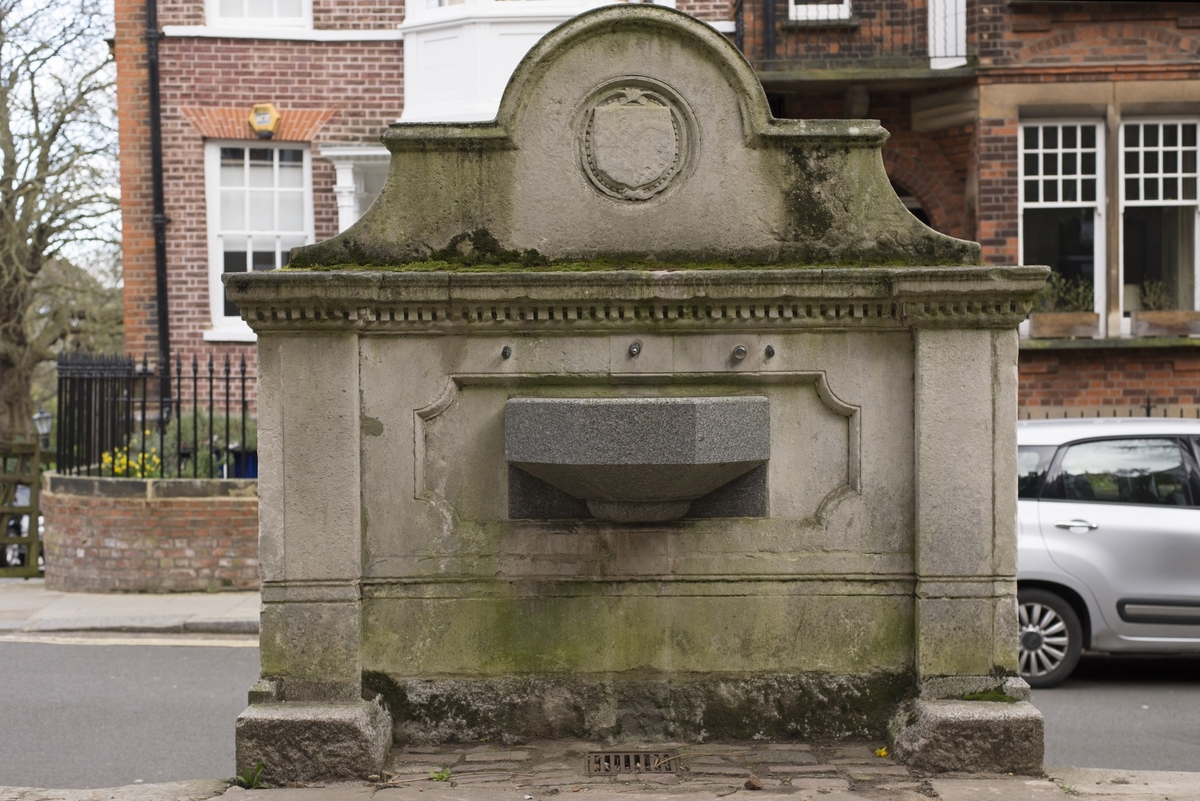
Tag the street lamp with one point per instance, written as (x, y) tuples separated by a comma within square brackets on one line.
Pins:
[(42, 421)]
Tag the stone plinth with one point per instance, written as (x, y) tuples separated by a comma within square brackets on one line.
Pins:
[(635, 226)]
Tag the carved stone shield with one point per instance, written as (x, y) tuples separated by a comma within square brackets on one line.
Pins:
[(633, 145), (635, 139)]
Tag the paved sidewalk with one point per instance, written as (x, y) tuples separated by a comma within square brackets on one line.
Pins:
[(27, 606), (1060, 784)]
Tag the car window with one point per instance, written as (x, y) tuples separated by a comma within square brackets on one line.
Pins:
[(1148, 471), (1032, 463)]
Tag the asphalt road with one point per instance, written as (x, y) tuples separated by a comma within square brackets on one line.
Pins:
[(102, 715), (1131, 713), (81, 716)]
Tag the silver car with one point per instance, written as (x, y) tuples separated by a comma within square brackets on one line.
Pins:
[(1109, 540)]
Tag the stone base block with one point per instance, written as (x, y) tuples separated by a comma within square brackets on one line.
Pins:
[(804, 706), (303, 742), (976, 736)]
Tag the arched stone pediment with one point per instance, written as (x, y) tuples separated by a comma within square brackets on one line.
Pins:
[(634, 133)]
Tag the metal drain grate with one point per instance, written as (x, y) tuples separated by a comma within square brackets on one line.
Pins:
[(600, 763)]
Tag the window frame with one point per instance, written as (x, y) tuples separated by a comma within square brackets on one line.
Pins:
[(1052, 485), (213, 18), (799, 11), (1123, 203), (227, 328), (1099, 237)]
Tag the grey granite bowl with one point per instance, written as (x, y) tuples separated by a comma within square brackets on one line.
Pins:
[(637, 460)]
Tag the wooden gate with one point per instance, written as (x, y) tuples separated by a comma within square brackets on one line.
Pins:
[(20, 486)]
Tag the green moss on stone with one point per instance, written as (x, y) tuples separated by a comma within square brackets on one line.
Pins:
[(995, 694), (593, 265)]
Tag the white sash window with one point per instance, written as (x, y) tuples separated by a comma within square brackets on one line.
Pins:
[(259, 208), (1159, 215), (1061, 202)]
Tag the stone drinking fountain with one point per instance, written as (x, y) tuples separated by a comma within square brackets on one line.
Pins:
[(637, 415)]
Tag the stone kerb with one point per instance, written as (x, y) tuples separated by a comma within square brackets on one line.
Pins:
[(635, 225), (150, 535)]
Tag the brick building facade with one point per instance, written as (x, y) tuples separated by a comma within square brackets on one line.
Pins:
[(1052, 131)]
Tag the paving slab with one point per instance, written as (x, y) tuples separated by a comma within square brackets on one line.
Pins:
[(169, 791), (1064, 783), (346, 791), (498, 756), (1141, 784), (26, 605), (999, 788)]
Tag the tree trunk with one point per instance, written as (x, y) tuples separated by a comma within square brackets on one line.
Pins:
[(16, 402)]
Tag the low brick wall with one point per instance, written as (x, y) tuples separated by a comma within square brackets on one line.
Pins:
[(151, 535), (1091, 381)]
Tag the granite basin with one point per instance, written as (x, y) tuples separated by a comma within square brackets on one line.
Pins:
[(637, 460)]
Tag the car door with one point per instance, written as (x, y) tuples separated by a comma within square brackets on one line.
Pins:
[(1121, 515)]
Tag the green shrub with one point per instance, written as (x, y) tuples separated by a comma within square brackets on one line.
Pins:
[(193, 443), (1062, 294)]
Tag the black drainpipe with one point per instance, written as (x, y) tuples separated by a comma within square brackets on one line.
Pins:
[(160, 215)]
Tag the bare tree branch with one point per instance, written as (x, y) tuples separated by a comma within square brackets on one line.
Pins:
[(57, 189)]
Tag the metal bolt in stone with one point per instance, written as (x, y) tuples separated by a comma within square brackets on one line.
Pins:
[(635, 348), (739, 353), (505, 352), (770, 351)]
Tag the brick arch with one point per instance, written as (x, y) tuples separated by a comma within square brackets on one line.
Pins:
[(1108, 41), (932, 181)]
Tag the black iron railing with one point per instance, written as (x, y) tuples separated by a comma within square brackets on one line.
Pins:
[(115, 419), (1147, 409)]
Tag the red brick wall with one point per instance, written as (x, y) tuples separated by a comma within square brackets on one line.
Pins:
[(137, 206), (327, 14), (706, 9), (361, 81), (1109, 381), (931, 166), (1040, 35), (996, 209), (97, 542)]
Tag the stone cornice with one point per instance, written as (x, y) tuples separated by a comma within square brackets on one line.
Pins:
[(685, 300)]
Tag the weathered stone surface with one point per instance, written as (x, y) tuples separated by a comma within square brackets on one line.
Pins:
[(390, 552), (940, 736), (300, 742), (810, 706)]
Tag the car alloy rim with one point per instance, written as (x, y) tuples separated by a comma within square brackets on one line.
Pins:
[(1043, 639)]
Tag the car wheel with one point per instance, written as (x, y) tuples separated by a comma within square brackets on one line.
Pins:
[(1051, 637)]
